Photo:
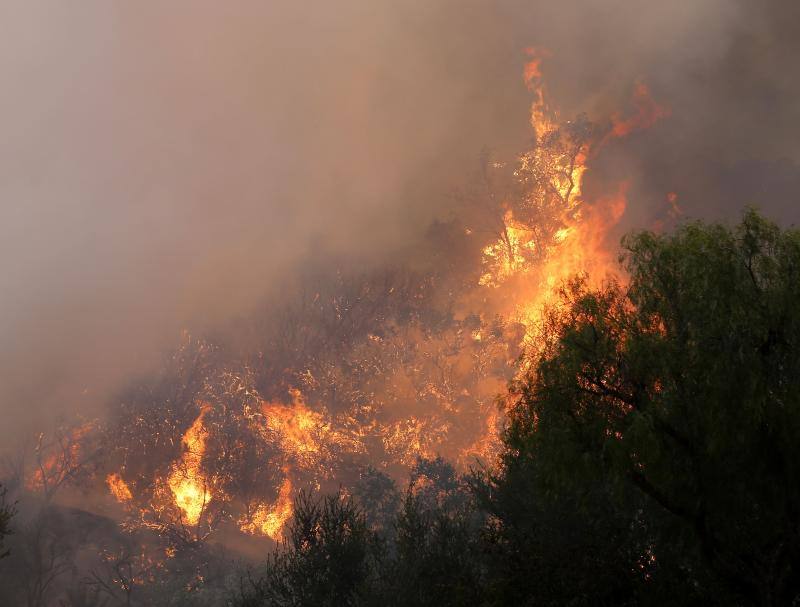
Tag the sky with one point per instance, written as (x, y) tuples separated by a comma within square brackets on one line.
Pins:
[(164, 166)]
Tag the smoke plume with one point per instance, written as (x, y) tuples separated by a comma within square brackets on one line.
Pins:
[(168, 166)]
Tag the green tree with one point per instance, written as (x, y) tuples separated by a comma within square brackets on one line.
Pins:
[(378, 498), (437, 559), (664, 420), (328, 558), (426, 550)]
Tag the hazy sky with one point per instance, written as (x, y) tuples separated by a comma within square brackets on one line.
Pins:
[(164, 164)]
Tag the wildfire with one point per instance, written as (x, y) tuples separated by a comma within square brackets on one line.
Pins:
[(510, 254), (300, 430), (647, 113), (119, 488), (532, 76), (538, 262), (269, 520), (406, 439), (406, 388), (58, 457), (304, 436), (581, 250), (487, 447), (186, 480)]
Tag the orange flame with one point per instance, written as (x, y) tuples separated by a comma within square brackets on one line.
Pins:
[(269, 520), (579, 246), (58, 458), (300, 430), (674, 208), (532, 76), (647, 113), (582, 249), (508, 255), (119, 488), (188, 485)]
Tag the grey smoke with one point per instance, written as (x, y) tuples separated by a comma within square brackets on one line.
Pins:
[(164, 165)]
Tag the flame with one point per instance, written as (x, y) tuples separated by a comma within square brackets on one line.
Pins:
[(406, 439), (674, 208), (488, 446), (579, 249), (186, 480), (300, 430), (647, 113), (532, 76), (535, 264), (119, 488), (269, 520), (303, 435), (58, 457), (532, 70), (509, 254)]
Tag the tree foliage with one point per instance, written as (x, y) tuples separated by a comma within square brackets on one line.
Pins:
[(674, 402), (650, 458), (326, 560), (427, 555)]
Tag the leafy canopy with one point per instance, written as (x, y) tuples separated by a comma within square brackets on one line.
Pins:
[(680, 392)]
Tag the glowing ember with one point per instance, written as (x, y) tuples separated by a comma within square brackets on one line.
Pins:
[(119, 488), (58, 458)]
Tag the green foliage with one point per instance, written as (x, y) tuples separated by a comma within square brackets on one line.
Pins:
[(679, 395), (379, 499), (428, 553), (438, 546), (560, 548), (327, 558)]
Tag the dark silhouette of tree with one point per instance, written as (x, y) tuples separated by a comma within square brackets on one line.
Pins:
[(426, 550), (379, 499), (6, 514), (667, 412), (438, 554), (326, 560)]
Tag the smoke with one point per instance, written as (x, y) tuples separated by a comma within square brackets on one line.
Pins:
[(167, 165)]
